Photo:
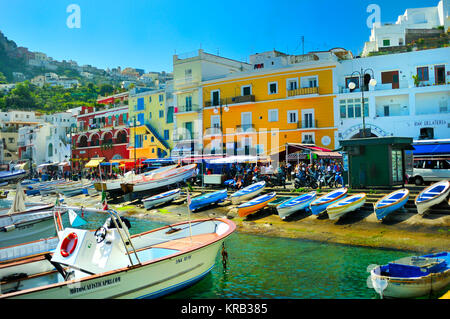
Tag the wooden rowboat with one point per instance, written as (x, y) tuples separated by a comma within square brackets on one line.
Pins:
[(432, 195), (255, 204)]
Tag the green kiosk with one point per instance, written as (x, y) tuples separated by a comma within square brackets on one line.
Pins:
[(375, 161)]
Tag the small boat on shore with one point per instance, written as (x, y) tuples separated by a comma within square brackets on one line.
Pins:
[(6, 176), (74, 189), (207, 199), (160, 180), (113, 186), (145, 265), (432, 195), (247, 192), (346, 205), (320, 204), (165, 197), (390, 203), (412, 277), (22, 224), (255, 204), (290, 206)]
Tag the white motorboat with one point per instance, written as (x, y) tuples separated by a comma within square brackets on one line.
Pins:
[(113, 186), (112, 264), (23, 225), (162, 179), (247, 192)]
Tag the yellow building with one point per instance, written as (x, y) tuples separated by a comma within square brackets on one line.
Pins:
[(283, 99), (189, 72), (152, 114)]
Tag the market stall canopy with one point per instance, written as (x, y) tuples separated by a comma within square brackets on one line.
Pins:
[(237, 159), (94, 162), (299, 151), (63, 164), (431, 149), (48, 164)]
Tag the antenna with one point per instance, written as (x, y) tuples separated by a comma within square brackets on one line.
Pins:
[(303, 44)]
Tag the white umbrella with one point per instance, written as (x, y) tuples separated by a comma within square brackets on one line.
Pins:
[(18, 204)]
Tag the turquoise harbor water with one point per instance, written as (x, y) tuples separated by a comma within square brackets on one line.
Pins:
[(269, 267)]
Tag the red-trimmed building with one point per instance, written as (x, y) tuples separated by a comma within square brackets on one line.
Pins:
[(101, 133)]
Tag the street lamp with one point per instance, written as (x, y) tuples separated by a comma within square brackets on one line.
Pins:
[(31, 153), (72, 129), (362, 83), (135, 123), (226, 108)]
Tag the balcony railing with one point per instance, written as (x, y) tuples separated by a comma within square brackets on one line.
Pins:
[(186, 136), (188, 108), (307, 124), (245, 127), (304, 91), (243, 99)]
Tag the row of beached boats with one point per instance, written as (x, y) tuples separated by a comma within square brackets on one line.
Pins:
[(60, 186), (336, 203)]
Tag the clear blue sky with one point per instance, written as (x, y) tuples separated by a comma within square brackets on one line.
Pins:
[(146, 33)]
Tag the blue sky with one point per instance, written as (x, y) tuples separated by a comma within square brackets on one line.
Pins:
[(146, 33)]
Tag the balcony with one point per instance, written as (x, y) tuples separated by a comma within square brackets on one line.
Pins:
[(245, 127), (188, 108), (304, 91), (213, 131), (211, 103), (243, 99), (186, 136), (307, 124)]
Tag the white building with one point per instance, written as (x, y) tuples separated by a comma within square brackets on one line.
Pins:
[(396, 105), (413, 20)]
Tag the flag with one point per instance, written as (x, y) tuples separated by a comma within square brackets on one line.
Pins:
[(104, 203), (75, 220)]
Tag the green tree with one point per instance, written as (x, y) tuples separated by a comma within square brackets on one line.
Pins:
[(2, 78), (106, 89)]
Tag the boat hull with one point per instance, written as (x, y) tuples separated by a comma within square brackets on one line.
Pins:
[(383, 211), (318, 206), (203, 201), (285, 212), (237, 198), (154, 200), (424, 205), (157, 183), (253, 208), (336, 212)]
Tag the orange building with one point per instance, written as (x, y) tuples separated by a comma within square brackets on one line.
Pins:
[(284, 99)]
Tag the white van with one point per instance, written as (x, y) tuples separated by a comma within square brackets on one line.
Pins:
[(430, 170)]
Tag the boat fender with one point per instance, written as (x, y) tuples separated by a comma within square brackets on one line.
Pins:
[(9, 228), (69, 244)]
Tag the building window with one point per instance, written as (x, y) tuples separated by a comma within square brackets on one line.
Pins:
[(138, 142), (169, 118), (351, 108), (188, 74), (273, 87), (140, 104), (166, 134), (310, 82), (292, 84), (308, 138), (386, 42), (273, 115), (308, 119), (292, 116), (149, 99), (161, 113), (188, 103), (246, 90), (422, 73), (215, 97), (161, 97)]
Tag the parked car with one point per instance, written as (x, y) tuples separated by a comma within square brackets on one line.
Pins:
[(430, 170)]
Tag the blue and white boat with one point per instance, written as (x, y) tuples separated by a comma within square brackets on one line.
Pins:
[(412, 277), (12, 175), (247, 192), (390, 203), (208, 199), (320, 204), (255, 204), (346, 205), (292, 205), (165, 197), (432, 195)]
